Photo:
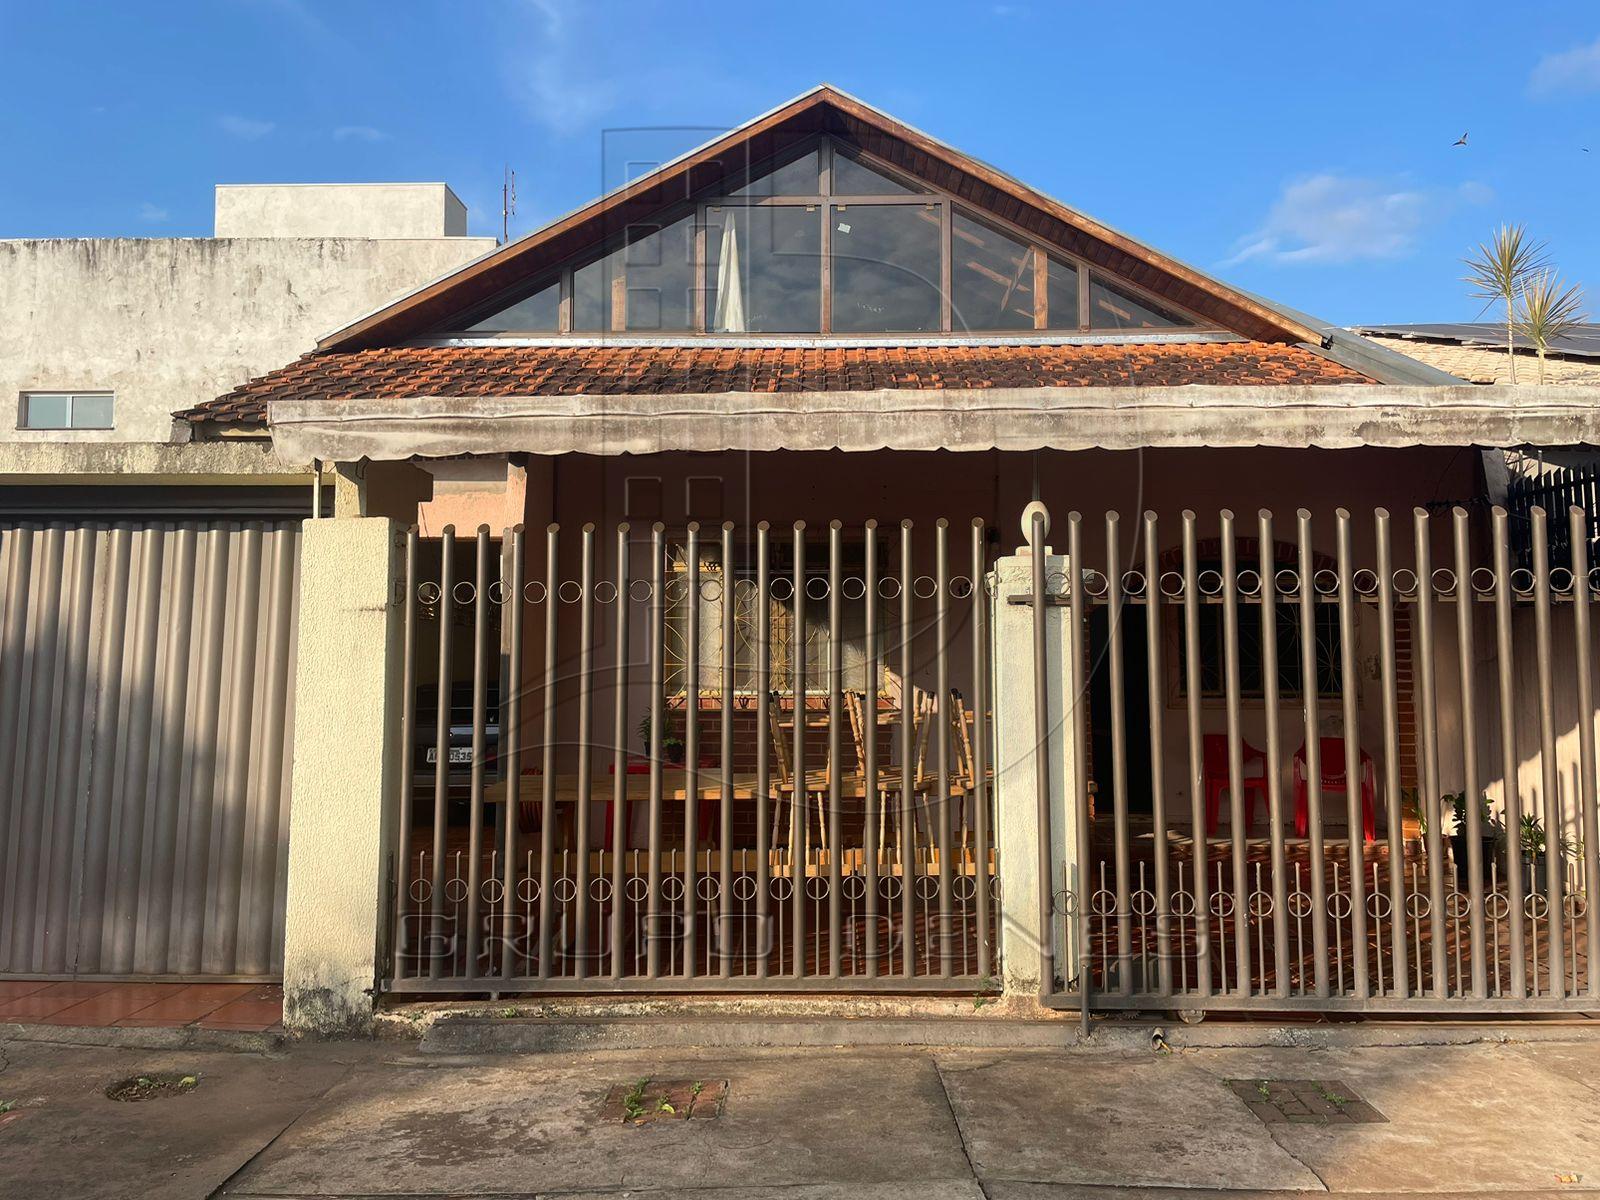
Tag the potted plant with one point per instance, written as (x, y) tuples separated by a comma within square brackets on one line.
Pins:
[(672, 747), (1489, 831), (1531, 839)]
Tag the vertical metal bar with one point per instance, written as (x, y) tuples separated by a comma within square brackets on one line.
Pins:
[(1077, 615), (480, 719), (872, 838), (582, 836), (1237, 811), (908, 767), (547, 764), (941, 810), (1119, 754), (1399, 976), (1589, 822), (406, 769), (724, 938), (441, 744), (1553, 893), (1504, 597), (1466, 613), (1313, 758), (1041, 762), (979, 799), (763, 796), (1197, 773), (1354, 778), (835, 766), (799, 818), (1428, 732), (620, 824), (511, 738), (691, 758), (1274, 770), (658, 608), (1156, 684)]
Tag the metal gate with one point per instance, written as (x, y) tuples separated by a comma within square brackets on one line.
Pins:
[(145, 706), (1329, 766), (696, 759)]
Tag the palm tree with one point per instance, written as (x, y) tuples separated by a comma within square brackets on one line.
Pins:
[(1546, 310), (1497, 272)]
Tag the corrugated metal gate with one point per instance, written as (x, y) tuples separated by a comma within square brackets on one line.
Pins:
[(146, 673)]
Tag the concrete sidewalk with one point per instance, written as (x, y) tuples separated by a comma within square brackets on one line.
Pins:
[(381, 1119)]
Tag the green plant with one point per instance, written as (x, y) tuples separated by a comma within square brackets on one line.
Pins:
[(1530, 836), (1497, 272), (633, 1102), (7, 1105), (672, 746), (1547, 310), (1453, 816)]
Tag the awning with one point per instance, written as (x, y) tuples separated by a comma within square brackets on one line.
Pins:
[(1063, 418)]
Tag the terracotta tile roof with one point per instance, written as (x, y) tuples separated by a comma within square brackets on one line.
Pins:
[(415, 371)]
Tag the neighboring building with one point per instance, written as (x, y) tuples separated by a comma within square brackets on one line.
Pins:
[(672, 631), (1476, 351)]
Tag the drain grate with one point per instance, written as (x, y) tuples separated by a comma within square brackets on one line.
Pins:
[(665, 1100), (1305, 1102)]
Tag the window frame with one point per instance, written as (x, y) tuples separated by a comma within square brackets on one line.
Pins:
[(26, 398), (826, 147)]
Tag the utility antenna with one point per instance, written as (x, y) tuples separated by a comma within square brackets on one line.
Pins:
[(508, 203)]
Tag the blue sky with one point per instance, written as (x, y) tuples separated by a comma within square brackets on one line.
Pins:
[(1301, 151)]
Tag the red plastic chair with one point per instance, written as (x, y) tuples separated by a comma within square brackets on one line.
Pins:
[(1332, 753), (1214, 748)]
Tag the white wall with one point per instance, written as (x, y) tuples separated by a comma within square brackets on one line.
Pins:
[(362, 210)]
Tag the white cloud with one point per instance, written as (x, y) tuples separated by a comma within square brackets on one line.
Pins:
[(555, 82), (1567, 73), (152, 212), (1333, 218), (359, 133), (247, 128)]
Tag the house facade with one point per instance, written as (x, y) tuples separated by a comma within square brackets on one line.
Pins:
[(828, 564)]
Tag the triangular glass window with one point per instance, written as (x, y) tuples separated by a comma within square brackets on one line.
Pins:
[(991, 279), (797, 178), (1112, 307), (539, 312), (851, 178)]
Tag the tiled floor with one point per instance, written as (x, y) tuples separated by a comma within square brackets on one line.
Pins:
[(249, 1007)]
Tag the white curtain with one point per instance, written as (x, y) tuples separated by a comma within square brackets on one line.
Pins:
[(729, 317)]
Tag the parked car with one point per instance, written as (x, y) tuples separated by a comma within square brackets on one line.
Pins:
[(459, 750)]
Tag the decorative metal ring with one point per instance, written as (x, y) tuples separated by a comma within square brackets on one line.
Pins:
[(924, 587), (1248, 582), (1365, 582), (1482, 580), (781, 588), (926, 887), (455, 890), (600, 889), (1065, 902), (464, 592), (1171, 584), (1418, 906), (781, 887), (1404, 581), (490, 890), (961, 588), (853, 587), (1457, 905), (1560, 580), (744, 888), (994, 887), (1287, 581), (1522, 581), (744, 589), (708, 887), (888, 587), (1209, 582), (1594, 579), (640, 590), (817, 588), (1143, 901), (1575, 905), (527, 890), (533, 592), (498, 591), (564, 889), (1298, 904), (637, 889), (1055, 583), (1444, 581), (964, 888), (1535, 906), (1133, 583), (1497, 905), (429, 593), (1095, 583), (1102, 903), (570, 591), (605, 592), (1325, 581), (711, 590), (1260, 904), (1339, 906), (1221, 904), (853, 887), (672, 889), (817, 887), (1378, 906), (421, 890), (890, 887), (1182, 903), (676, 590)]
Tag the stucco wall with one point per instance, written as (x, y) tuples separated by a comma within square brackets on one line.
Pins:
[(166, 323), (354, 210)]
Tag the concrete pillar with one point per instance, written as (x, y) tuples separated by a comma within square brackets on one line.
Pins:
[(346, 746), (1016, 776)]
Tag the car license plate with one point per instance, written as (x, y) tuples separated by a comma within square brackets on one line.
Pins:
[(458, 754)]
